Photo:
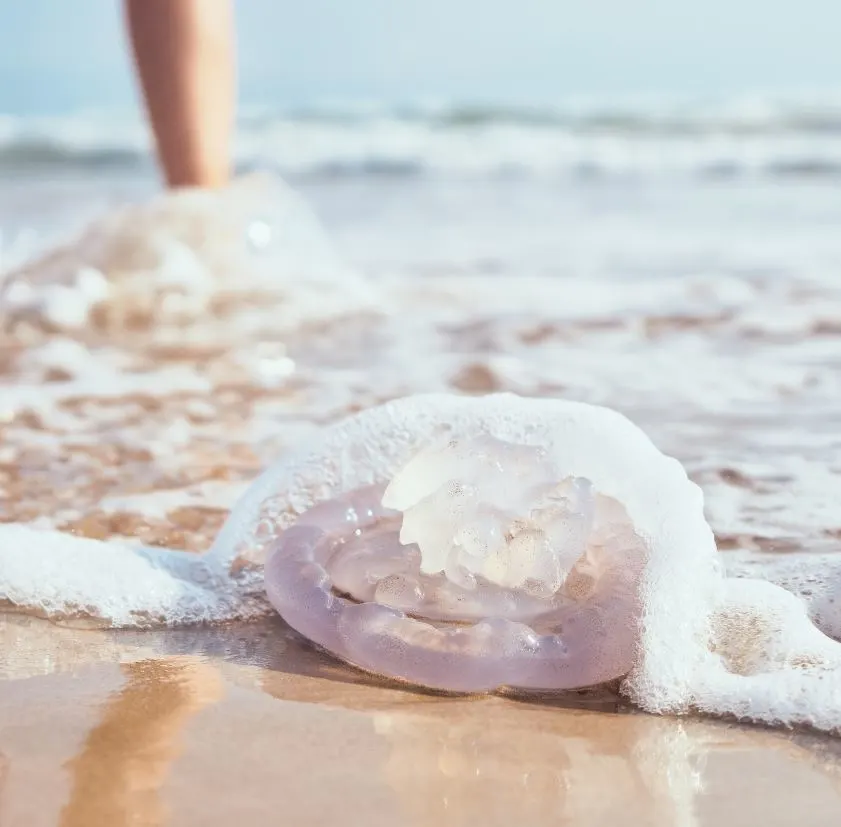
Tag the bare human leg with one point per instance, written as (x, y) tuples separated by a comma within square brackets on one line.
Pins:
[(185, 56)]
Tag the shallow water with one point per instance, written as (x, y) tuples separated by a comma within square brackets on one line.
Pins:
[(706, 311)]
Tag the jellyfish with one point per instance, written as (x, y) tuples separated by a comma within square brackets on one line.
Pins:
[(467, 545)]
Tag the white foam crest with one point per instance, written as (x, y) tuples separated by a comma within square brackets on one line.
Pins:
[(495, 148), (814, 578), (63, 577), (739, 139), (172, 260), (770, 664)]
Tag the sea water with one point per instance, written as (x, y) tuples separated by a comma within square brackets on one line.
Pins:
[(683, 272)]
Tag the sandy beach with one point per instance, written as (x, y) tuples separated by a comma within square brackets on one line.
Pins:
[(420, 415), (703, 312), (249, 724)]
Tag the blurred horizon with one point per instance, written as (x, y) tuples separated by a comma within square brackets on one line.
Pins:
[(60, 58)]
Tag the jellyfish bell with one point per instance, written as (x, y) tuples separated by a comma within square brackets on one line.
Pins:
[(482, 543)]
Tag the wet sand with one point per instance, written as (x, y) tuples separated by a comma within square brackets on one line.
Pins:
[(248, 724)]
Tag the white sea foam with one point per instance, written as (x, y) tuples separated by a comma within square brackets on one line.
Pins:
[(715, 365), (63, 577), (167, 261)]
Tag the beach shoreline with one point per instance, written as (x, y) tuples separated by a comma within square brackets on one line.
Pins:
[(701, 310)]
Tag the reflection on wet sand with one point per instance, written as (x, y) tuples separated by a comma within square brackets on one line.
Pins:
[(453, 762), (4, 772), (118, 775), (580, 768), (308, 738)]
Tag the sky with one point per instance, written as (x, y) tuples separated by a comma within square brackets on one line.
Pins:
[(67, 55)]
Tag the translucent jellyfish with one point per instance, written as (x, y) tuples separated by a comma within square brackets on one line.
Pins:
[(481, 554)]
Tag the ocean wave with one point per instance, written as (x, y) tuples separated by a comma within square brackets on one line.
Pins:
[(750, 139), (23, 155)]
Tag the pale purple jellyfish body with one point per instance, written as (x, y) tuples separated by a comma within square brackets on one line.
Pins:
[(478, 565)]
